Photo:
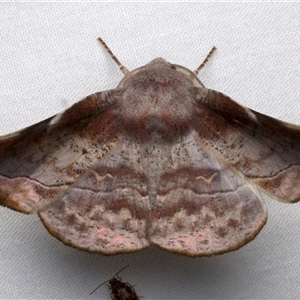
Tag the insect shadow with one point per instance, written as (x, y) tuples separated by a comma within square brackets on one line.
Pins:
[(119, 290)]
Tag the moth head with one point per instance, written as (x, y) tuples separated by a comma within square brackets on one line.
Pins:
[(158, 100), (161, 71)]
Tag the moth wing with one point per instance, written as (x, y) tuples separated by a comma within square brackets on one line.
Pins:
[(77, 171), (264, 149), (203, 205), (106, 210), (40, 162)]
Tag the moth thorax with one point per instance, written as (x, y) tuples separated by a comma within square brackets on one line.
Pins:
[(163, 108)]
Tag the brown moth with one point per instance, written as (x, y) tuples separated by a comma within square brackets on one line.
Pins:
[(159, 160), (120, 290)]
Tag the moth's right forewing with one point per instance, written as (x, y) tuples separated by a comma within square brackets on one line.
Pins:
[(264, 149)]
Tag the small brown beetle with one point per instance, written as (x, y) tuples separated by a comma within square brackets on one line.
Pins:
[(119, 290)]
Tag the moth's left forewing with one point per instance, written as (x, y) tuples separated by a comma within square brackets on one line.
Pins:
[(81, 174), (40, 162), (264, 149)]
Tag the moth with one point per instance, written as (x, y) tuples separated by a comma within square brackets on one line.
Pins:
[(120, 290), (159, 160)]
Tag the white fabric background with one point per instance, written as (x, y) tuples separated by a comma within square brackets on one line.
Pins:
[(50, 59)]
